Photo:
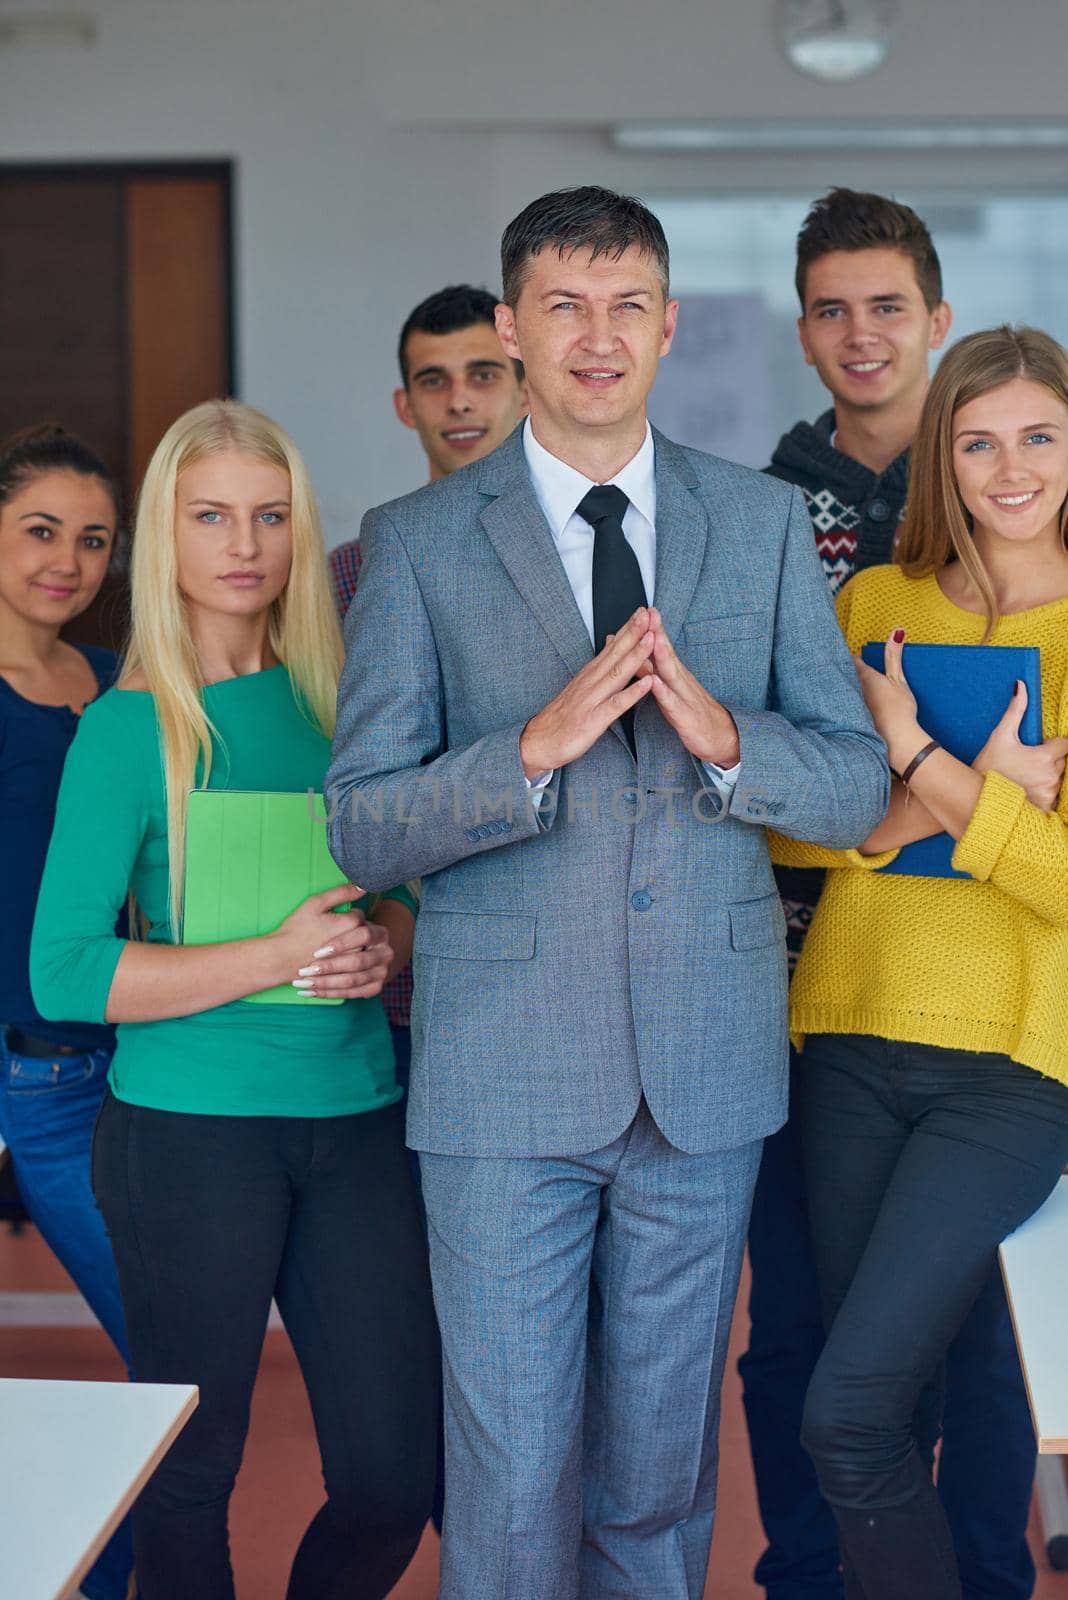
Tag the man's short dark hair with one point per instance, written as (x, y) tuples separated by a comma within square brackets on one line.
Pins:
[(589, 218), (845, 219), (459, 306)]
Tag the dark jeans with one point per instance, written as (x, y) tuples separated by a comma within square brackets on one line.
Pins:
[(210, 1216), (785, 1340), (402, 1052), (48, 1105), (986, 1467), (918, 1162)]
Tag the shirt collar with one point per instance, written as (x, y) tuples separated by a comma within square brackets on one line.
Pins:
[(560, 488)]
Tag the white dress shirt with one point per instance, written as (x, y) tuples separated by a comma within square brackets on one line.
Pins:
[(559, 490)]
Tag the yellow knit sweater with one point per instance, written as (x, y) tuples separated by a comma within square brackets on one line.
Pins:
[(969, 965)]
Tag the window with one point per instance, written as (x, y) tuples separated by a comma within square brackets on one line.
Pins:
[(736, 379)]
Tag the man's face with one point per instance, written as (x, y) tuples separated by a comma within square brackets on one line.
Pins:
[(590, 333), (866, 329), (463, 397)]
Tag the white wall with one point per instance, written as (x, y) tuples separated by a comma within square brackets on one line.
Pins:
[(379, 154)]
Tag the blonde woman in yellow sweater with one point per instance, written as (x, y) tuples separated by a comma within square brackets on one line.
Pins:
[(933, 1012)]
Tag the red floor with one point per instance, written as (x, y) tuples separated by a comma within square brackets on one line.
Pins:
[(279, 1486)]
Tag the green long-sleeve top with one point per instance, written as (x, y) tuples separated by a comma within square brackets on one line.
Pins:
[(110, 835)]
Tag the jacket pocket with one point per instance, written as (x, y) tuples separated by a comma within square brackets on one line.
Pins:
[(757, 922), (743, 625), (475, 935)]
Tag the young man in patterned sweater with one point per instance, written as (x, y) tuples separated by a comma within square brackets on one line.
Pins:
[(855, 510), (870, 288)]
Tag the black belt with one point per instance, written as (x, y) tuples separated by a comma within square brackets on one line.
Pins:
[(29, 1044)]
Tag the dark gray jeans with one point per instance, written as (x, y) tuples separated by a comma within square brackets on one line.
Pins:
[(918, 1162), (209, 1217)]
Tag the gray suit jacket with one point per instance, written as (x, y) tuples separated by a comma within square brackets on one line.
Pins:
[(625, 939)]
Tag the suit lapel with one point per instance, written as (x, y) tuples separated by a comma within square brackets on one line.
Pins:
[(681, 535), (517, 528)]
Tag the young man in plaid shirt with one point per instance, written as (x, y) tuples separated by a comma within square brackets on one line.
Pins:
[(463, 396)]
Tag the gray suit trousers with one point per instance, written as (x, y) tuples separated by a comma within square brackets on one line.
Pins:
[(589, 1303)]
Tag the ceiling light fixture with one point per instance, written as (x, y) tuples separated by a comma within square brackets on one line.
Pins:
[(836, 40), (792, 138)]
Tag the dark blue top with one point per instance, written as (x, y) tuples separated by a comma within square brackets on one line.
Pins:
[(34, 741)]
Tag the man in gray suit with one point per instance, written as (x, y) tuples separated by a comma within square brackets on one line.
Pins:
[(586, 673)]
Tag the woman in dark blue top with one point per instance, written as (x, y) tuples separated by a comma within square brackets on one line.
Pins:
[(58, 518)]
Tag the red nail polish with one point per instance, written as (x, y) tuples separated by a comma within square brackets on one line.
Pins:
[(1015, 688), (899, 634)]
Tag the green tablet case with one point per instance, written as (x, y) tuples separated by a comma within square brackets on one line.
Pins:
[(250, 859)]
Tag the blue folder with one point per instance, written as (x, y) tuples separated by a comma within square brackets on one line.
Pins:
[(962, 691)]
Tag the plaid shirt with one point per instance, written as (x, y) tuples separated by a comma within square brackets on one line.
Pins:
[(345, 564)]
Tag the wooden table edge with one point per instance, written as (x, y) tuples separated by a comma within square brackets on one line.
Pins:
[(82, 1565)]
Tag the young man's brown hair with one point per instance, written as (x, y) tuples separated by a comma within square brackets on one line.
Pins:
[(845, 219)]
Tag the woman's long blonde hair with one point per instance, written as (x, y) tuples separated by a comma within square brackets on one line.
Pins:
[(937, 525), (303, 626)]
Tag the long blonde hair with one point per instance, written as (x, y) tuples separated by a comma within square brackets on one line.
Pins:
[(303, 626), (937, 525)]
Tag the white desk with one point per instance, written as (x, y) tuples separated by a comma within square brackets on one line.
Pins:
[(73, 1458), (1034, 1264)]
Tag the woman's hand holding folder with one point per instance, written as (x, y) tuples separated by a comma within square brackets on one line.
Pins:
[(339, 955), (1037, 768)]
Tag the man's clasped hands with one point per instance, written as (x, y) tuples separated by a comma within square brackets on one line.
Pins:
[(638, 660)]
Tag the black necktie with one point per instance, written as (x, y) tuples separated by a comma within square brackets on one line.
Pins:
[(618, 589)]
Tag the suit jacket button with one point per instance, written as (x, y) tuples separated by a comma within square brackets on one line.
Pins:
[(641, 900)]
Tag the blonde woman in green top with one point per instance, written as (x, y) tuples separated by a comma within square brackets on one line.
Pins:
[(243, 1152)]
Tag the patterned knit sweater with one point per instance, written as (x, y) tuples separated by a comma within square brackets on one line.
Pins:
[(854, 511), (855, 514), (968, 965)]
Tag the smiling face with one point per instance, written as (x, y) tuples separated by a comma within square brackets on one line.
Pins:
[(867, 330), (590, 333), (463, 397), (1010, 460), (56, 534), (232, 534)]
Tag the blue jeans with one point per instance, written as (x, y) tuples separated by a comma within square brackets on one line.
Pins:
[(47, 1110), (986, 1467)]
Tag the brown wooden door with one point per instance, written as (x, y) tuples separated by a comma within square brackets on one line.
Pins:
[(115, 313)]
